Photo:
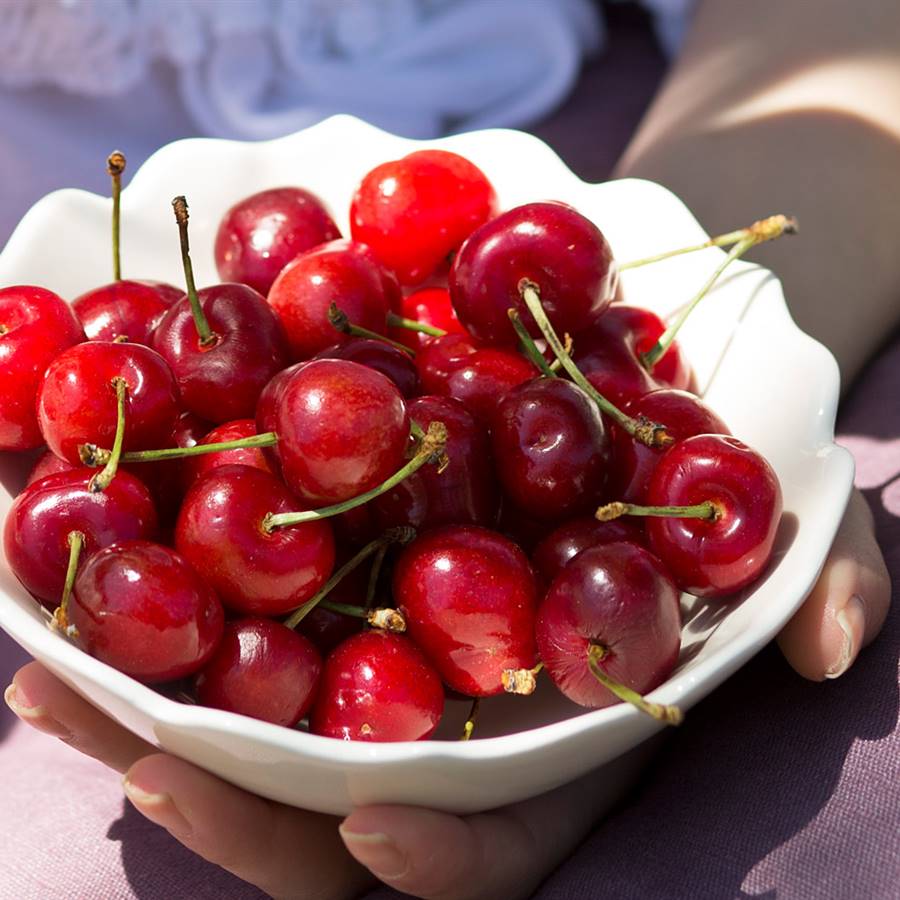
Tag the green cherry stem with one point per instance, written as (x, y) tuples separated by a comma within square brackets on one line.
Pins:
[(641, 429), (115, 166), (469, 725), (670, 715), (101, 481), (528, 345), (757, 233), (707, 510), (204, 332), (383, 618), (374, 574), (396, 321), (92, 455), (75, 540), (341, 322)]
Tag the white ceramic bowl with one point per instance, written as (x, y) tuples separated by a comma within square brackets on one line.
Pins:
[(775, 386)]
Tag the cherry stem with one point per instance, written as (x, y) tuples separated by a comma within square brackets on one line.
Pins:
[(92, 455), (102, 480), (469, 727), (520, 681), (383, 618), (641, 429), (670, 715), (788, 226), (204, 332), (115, 166), (75, 540), (341, 322), (374, 574), (396, 321), (431, 450), (401, 535), (706, 510), (528, 345), (757, 233)]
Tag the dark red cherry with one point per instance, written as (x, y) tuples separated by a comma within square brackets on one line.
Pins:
[(377, 687), (469, 598), (35, 327), (220, 532), (415, 211), (263, 670), (390, 361), (48, 463), (326, 628), (197, 466), (123, 309), (619, 598), (262, 233), (438, 357), (345, 273), (142, 609), (76, 401), (429, 306), (223, 381), (549, 244), (343, 429), (714, 557), (564, 543), (36, 531), (551, 447)]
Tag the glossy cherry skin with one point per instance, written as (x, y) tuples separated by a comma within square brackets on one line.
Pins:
[(429, 306), (438, 358), (552, 448), (714, 558), (263, 670), (609, 355), (255, 572), (342, 272), (684, 415), (262, 233), (390, 361), (377, 687), (464, 493), (343, 429), (565, 542), (549, 244), (36, 531), (195, 467), (267, 410), (620, 597), (142, 609), (129, 309), (35, 327), (76, 401), (415, 211), (223, 381), (469, 598)]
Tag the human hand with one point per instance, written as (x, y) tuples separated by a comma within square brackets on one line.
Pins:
[(506, 853)]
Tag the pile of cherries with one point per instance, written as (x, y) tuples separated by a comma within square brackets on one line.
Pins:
[(363, 471)]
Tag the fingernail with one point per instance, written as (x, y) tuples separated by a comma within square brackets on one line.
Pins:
[(159, 808), (377, 852), (36, 716), (852, 622)]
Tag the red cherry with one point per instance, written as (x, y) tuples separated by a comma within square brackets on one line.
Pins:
[(618, 599), (415, 211), (142, 609), (48, 463), (390, 361), (262, 233), (129, 309), (255, 571), (76, 402), (377, 687), (35, 327), (341, 272), (469, 597), (429, 306), (552, 449), (196, 467), (267, 410), (37, 527), (343, 429), (263, 670), (439, 357), (549, 244)]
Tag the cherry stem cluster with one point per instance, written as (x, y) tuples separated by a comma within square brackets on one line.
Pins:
[(706, 510), (204, 332), (104, 477), (341, 322), (115, 166)]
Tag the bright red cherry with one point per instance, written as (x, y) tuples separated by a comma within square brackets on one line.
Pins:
[(552, 449), (76, 402), (469, 596), (197, 466), (37, 527), (380, 356), (142, 609), (415, 211), (263, 670), (35, 327), (549, 244), (343, 429), (123, 309), (262, 233), (377, 687), (254, 571), (428, 306), (613, 605), (344, 273)]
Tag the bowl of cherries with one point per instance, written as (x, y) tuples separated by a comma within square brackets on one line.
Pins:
[(456, 479)]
